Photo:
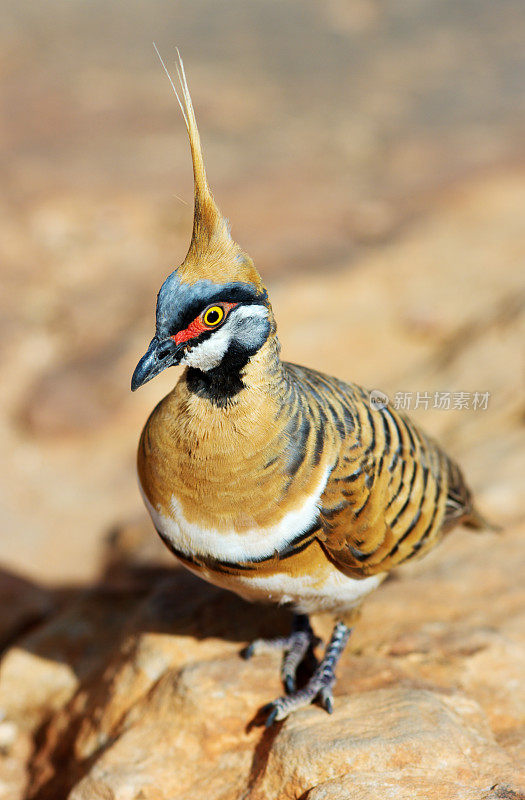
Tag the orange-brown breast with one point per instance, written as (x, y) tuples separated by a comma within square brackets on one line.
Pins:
[(225, 465)]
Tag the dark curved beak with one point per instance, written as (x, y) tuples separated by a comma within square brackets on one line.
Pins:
[(159, 355)]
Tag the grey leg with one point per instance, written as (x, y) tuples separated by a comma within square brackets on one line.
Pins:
[(320, 684), (295, 647)]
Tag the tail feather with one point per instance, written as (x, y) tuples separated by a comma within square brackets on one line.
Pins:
[(477, 521), (460, 508)]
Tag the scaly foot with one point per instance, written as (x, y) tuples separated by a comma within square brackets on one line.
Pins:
[(320, 684), (296, 646)]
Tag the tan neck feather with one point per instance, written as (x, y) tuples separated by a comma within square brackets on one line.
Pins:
[(264, 370)]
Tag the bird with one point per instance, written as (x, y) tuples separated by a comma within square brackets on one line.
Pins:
[(273, 480)]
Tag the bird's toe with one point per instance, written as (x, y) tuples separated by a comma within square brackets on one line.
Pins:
[(297, 648)]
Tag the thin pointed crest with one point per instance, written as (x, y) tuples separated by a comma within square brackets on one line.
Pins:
[(206, 212), (212, 250), (199, 172)]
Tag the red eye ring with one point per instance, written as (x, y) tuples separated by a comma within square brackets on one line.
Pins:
[(199, 325)]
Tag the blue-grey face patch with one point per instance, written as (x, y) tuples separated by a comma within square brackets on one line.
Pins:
[(179, 303)]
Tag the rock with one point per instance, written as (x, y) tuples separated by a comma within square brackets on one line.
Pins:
[(188, 735), (427, 701), (14, 760), (403, 735), (395, 788), (31, 687), (22, 605), (41, 672), (181, 633)]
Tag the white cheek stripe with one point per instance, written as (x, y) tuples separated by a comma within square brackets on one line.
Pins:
[(209, 354), (232, 545)]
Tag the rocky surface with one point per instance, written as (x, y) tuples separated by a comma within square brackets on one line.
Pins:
[(393, 243), (136, 689)]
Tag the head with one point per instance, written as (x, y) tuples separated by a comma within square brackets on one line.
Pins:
[(206, 326), (213, 312)]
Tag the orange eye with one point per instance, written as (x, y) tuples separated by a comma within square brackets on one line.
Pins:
[(213, 316)]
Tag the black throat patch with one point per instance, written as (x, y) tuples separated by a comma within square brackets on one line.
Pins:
[(220, 384)]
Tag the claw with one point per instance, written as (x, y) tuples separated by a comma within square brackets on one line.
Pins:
[(289, 684), (264, 645), (248, 651), (327, 700), (272, 716)]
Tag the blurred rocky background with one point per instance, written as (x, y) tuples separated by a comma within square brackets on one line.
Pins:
[(371, 157)]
